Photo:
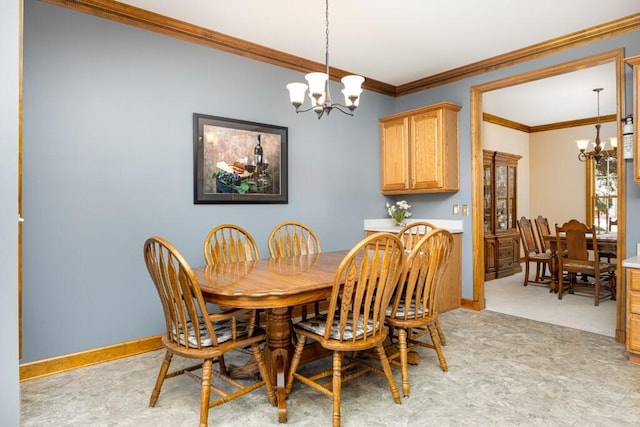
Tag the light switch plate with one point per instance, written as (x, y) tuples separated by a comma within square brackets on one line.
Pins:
[(456, 209), (465, 210)]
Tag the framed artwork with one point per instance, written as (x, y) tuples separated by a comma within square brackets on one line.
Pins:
[(236, 161)]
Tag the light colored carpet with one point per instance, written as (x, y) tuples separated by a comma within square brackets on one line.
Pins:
[(509, 296)]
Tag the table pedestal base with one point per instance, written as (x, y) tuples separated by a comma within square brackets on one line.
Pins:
[(277, 354)]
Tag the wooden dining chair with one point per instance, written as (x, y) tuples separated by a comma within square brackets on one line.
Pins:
[(412, 232), (412, 312), (533, 253), (573, 236), (229, 243), (542, 228), (363, 286), (610, 252), (292, 238), (193, 333)]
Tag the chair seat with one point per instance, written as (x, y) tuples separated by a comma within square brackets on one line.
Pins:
[(402, 309), (318, 325), (545, 256), (224, 332), (604, 266)]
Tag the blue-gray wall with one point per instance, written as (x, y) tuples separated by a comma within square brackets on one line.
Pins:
[(108, 162), (9, 92), (108, 140)]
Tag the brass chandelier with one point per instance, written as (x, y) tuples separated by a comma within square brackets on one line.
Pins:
[(599, 151)]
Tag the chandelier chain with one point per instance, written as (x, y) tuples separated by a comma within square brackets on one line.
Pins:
[(326, 50)]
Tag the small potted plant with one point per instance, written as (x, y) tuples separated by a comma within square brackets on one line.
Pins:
[(399, 211)]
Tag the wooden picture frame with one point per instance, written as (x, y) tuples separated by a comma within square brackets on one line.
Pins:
[(226, 167)]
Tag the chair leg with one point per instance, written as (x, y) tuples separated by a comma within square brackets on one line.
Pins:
[(443, 340), (164, 368), (386, 367), (206, 392), (402, 347), (337, 383), (436, 346), (295, 361), (526, 273), (257, 354)]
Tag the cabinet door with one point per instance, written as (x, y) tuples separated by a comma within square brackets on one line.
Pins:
[(427, 151), (501, 198), (488, 198), (511, 198), (394, 154)]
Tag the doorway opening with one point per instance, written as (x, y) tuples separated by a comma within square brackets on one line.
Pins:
[(617, 57)]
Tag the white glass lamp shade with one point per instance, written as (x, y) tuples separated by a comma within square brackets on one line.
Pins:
[(348, 101), (296, 92), (614, 142), (582, 144), (352, 85), (317, 82)]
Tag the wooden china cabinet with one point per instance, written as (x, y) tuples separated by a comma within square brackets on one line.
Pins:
[(501, 237)]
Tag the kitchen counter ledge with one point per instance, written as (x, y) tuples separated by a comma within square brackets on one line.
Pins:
[(388, 224)]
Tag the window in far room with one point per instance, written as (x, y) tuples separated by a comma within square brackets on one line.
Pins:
[(602, 194)]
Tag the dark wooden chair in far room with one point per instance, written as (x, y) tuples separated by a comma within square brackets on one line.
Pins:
[(363, 286), (193, 333), (610, 251), (412, 312), (533, 254), (577, 261)]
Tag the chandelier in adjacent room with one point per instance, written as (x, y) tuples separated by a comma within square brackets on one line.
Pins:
[(599, 151)]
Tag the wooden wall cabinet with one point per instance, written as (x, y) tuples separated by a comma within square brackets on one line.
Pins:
[(634, 61), (633, 314), (419, 150), (501, 237)]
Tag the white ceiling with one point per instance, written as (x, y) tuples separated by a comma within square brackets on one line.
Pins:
[(401, 41)]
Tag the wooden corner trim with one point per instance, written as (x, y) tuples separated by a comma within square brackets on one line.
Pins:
[(141, 18), (578, 38), (471, 304), (501, 121), (56, 365)]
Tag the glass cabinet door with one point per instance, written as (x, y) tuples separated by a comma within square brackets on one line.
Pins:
[(511, 196), (501, 214), (488, 196), (501, 182)]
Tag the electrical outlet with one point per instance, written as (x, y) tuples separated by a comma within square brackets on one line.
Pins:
[(465, 210), (456, 209)]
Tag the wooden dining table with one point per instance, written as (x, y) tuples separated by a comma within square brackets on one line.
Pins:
[(607, 242), (275, 285)]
